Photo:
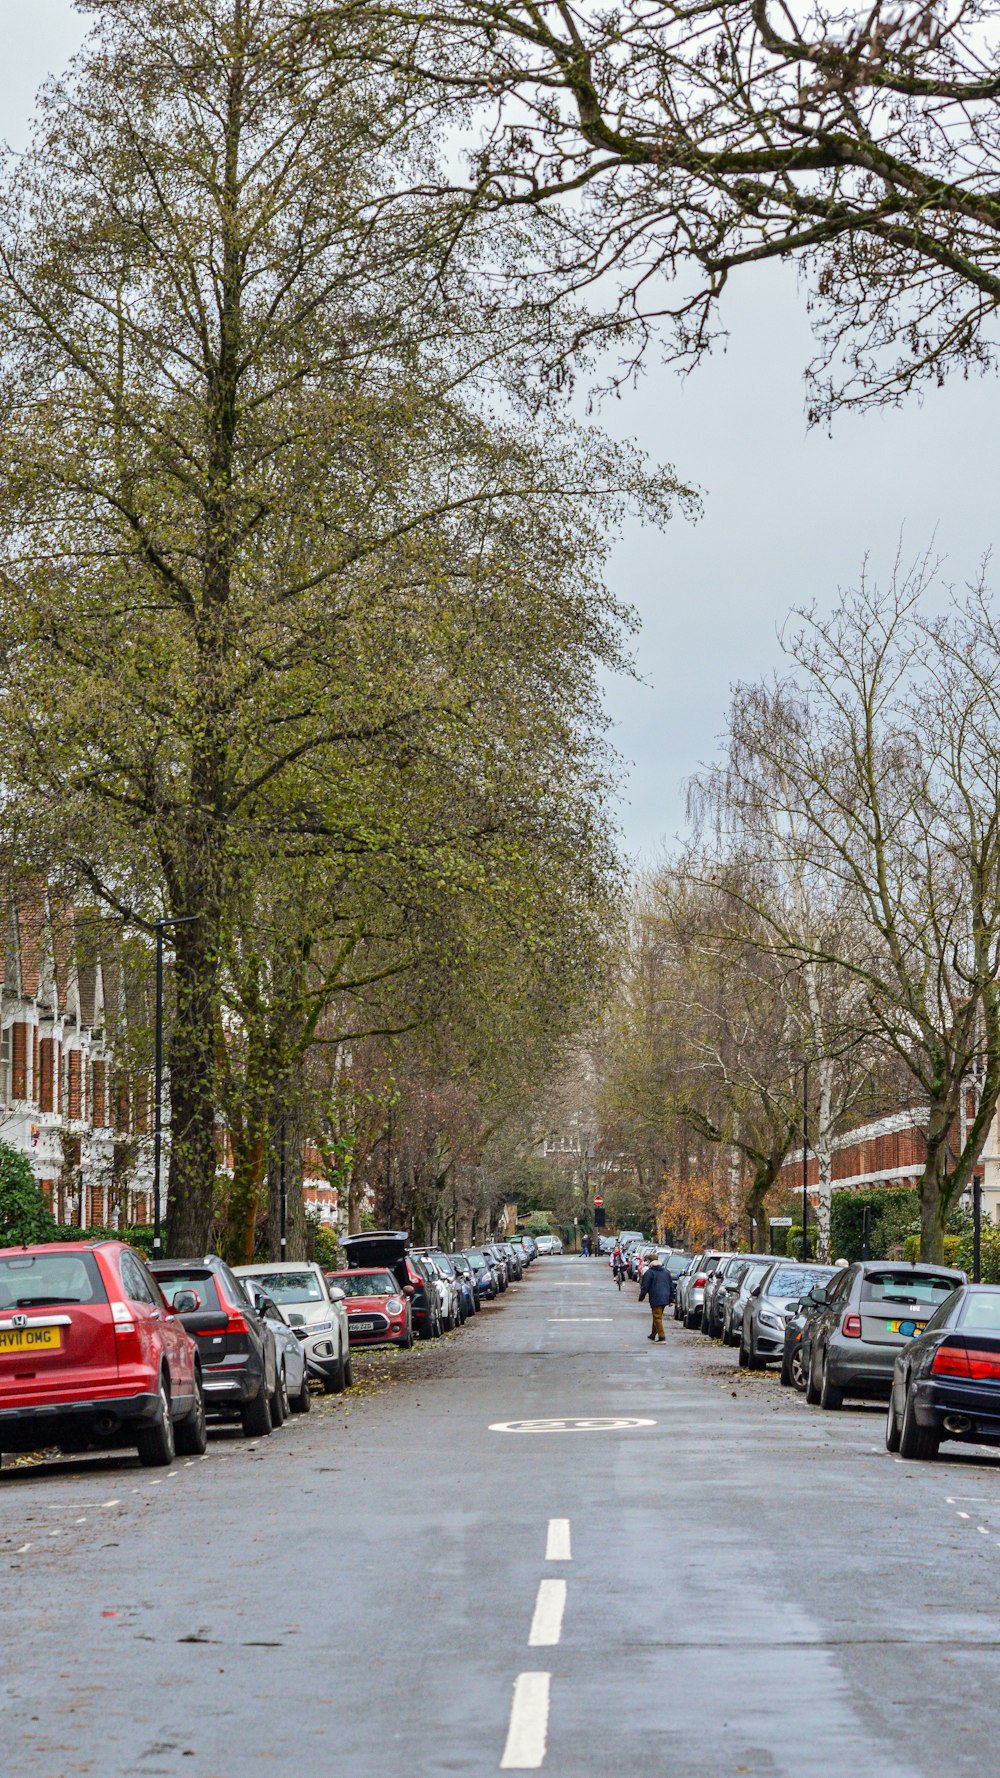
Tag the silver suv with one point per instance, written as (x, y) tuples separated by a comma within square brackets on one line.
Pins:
[(315, 1311)]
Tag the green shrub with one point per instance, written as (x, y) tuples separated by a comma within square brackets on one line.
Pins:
[(24, 1214), (793, 1240), (895, 1215), (325, 1246)]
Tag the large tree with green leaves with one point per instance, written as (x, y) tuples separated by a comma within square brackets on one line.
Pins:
[(276, 583)]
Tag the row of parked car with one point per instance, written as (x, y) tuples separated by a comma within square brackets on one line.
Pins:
[(919, 1337), (101, 1349)]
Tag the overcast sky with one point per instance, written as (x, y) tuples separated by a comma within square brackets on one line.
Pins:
[(788, 516)]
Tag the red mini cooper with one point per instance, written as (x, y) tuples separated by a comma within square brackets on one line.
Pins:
[(91, 1355), (378, 1312)]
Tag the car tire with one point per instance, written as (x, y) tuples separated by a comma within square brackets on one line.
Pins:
[(348, 1372), (155, 1443), (786, 1373), (892, 1426), (800, 1377), (191, 1433), (812, 1387), (334, 1385), (742, 1359), (753, 1362), (829, 1395), (302, 1403), (280, 1405), (916, 1442), (255, 1415), (691, 1320)]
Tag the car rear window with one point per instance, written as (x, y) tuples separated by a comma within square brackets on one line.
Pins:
[(982, 1311), (905, 1287), (29, 1278), (201, 1282), (476, 1259)]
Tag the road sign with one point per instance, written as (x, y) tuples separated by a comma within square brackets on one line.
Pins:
[(597, 1203), (780, 1222)]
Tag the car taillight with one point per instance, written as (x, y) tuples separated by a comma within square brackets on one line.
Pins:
[(702, 1280), (966, 1361), (126, 1335), (850, 1327), (235, 1322)]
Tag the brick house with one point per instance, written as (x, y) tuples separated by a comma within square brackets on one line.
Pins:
[(70, 988)]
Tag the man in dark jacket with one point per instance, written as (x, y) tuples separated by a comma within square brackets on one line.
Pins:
[(658, 1286)]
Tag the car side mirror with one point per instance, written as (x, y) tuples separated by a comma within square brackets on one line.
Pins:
[(185, 1302), (817, 1296), (407, 1289), (755, 1291), (336, 1294)]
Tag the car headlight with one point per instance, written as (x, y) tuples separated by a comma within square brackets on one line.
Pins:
[(769, 1319), (394, 1306), (320, 1327)]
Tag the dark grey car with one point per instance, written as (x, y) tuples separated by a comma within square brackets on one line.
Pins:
[(872, 1309)]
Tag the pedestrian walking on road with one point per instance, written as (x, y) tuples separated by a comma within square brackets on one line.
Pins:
[(585, 1246), (658, 1286)]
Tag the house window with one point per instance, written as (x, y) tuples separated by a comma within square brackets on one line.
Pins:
[(5, 1065)]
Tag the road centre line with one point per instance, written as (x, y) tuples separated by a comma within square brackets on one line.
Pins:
[(529, 1724), (546, 1624), (557, 1542)]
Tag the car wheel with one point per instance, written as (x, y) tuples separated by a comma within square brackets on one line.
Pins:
[(348, 1372), (829, 1395), (812, 1387), (754, 1363), (799, 1377), (742, 1360), (280, 1406), (916, 1441), (691, 1320), (191, 1433), (155, 1443), (255, 1416), (892, 1426), (301, 1403), (786, 1373)]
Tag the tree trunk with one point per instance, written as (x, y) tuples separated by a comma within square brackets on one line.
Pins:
[(193, 1149), (823, 1150)]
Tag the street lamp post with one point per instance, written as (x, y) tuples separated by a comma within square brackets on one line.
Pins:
[(159, 927), (805, 1161)]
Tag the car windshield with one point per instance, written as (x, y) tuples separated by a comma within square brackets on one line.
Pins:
[(476, 1259), (30, 1278), (678, 1263), (905, 1287), (791, 1281), (290, 1287), (364, 1283), (982, 1309), (202, 1283), (751, 1273)]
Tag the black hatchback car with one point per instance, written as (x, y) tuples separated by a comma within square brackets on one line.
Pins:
[(946, 1380), (238, 1360)]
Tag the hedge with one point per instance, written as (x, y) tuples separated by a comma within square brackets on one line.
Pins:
[(895, 1215)]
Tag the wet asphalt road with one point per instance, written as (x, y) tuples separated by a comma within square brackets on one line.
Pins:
[(752, 1586)]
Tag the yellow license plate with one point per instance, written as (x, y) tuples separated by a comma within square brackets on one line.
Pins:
[(898, 1326), (29, 1339)]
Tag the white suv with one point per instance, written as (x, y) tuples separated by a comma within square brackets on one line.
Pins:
[(316, 1312)]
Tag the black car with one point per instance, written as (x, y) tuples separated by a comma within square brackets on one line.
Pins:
[(797, 1354), (946, 1380), (238, 1356), (391, 1250)]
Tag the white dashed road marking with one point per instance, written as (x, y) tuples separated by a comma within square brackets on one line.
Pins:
[(597, 1424), (546, 1624), (529, 1724), (557, 1544)]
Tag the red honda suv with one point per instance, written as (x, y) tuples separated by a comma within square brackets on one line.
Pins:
[(91, 1356)]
